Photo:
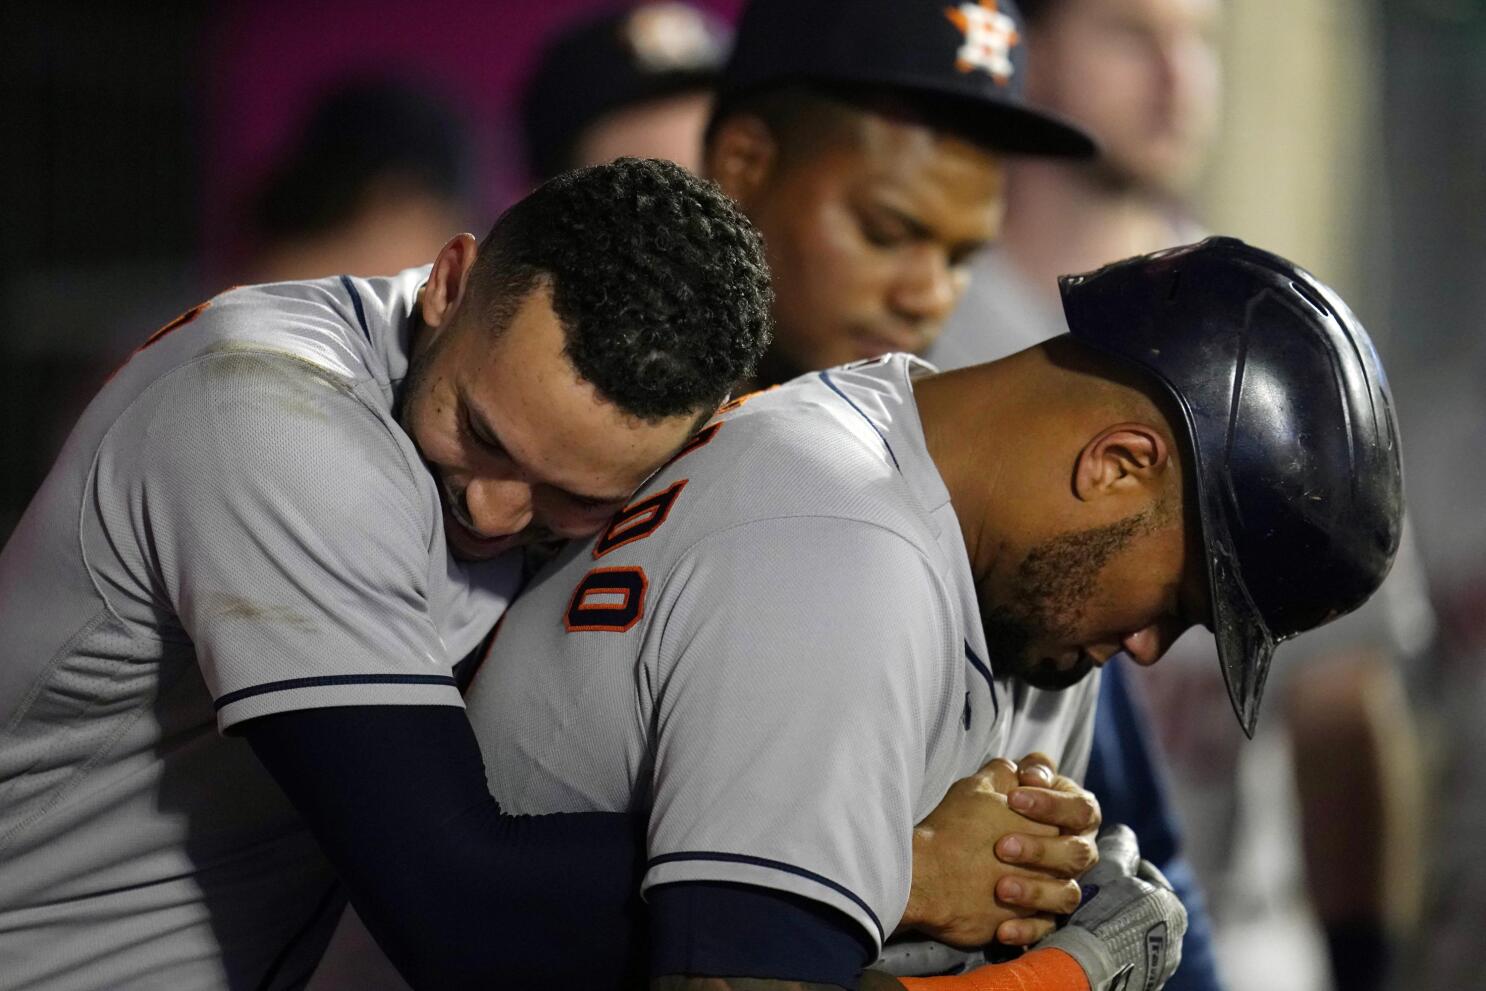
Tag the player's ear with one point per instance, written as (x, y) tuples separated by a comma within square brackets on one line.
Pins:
[(1122, 460), (448, 281), (740, 156)]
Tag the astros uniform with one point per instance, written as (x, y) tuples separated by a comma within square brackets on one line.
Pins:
[(237, 526), (776, 649)]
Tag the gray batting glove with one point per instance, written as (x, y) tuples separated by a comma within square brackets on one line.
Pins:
[(1127, 934)]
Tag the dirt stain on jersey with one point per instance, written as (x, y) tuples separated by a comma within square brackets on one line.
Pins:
[(225, 605)]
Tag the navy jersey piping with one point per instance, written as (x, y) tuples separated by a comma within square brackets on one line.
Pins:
[(826, 378), (334, 679), (985, 673), (356, 302), (743, 858)]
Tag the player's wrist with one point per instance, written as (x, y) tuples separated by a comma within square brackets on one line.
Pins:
[(919, 913), (1044, 967), (932, 897)]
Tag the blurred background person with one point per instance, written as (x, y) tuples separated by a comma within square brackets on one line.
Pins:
[(1143, 76), (381, 176), (626, 82)]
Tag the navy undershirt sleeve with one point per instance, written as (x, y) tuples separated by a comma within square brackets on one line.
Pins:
[(715, 929), (458, 894)]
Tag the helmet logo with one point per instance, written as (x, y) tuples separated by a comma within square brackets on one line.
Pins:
[(990, 36)]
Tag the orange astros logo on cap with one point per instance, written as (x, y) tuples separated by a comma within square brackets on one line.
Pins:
[(990, 36)]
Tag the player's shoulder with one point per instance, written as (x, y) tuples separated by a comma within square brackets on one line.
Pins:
[(810, 448), (266, 372), (792, 481), (338, 326)]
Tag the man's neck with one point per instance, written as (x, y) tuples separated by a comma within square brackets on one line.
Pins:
[(959, 411), (1066, 218)]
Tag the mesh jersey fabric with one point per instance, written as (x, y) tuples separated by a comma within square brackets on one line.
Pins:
[(236, 526)]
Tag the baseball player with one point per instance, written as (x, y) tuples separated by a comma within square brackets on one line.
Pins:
[(234, 610), (867, 142), (845, 593)]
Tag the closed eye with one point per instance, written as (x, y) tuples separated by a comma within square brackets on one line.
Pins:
[(477, 431)]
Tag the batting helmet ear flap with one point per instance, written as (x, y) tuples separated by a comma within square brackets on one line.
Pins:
[(1245, 645)]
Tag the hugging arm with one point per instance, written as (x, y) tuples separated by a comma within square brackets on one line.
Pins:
[(458, 894)]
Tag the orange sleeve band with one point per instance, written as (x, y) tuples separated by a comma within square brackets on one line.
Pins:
[(1040, 970)]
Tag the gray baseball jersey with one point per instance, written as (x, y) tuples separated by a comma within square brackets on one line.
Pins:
[(237, 526), (776, 649)]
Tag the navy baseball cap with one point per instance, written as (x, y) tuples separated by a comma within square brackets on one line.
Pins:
[(612, 61), (962, 61)]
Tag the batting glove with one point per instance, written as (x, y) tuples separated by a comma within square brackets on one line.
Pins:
[(1127, 933)]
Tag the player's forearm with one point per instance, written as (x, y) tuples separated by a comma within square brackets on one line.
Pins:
[(457, 894)]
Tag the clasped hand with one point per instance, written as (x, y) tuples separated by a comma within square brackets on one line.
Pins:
[(999, 857)]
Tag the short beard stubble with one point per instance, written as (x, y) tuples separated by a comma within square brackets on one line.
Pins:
[(1052, 585)]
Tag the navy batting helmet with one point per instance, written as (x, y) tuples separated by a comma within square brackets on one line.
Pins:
[(1290, 424)]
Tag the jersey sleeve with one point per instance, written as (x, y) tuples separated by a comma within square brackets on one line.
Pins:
[(278, 517), (800, 666)]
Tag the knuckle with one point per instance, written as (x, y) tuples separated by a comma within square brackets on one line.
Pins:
[(1096, 814), (1089, 814), (1069, 898), (1020, 933)]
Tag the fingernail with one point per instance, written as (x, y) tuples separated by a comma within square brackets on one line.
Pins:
[(1011, 846), (1021, 801), (1013, 889)]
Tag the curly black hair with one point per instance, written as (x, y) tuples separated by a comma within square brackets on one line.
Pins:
[(658, 279)]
